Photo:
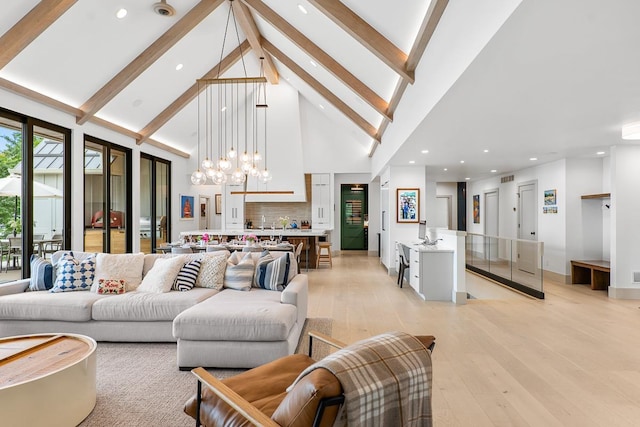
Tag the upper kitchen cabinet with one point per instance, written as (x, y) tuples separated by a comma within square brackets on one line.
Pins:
[(321, 201), (233, 207)]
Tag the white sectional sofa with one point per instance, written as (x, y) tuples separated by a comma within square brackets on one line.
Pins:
[(212, 328)]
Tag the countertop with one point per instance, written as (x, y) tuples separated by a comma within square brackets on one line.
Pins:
[(427, 248), (289, 232)]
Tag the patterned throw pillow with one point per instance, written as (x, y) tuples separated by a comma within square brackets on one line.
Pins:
[(186, 278), (41, 274), (239, 272), (212, 268), (73, 274), (111, 287), (272, 273)]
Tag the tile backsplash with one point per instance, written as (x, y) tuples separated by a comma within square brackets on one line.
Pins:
[(272, 211)]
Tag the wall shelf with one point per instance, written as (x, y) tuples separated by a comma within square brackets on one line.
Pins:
[(596, 196)]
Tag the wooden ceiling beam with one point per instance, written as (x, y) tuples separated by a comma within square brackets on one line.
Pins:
[(360, 30), (30, 27), (428, 27), (61, 106), (191, 93), (318, 87), (330, 64), (147, 58), (250, 29)]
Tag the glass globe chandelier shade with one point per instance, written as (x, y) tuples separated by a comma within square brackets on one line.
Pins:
[(198, 177), (207, 163), (265, 176), (245, 158), (254, 172), (232, 153), (246, 167), (238, 176), (211, 173), (257, 157), (224, 164)]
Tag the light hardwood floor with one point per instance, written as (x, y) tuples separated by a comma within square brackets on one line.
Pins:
[(502, 359)]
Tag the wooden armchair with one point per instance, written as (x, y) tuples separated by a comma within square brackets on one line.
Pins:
[(260, 396)]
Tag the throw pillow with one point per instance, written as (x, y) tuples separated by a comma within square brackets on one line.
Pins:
[(111, 287), (127, 267), (239, 272), (160, 278), (74, 274), (272, 273), (41, 274), (187, 276), (212, 270)]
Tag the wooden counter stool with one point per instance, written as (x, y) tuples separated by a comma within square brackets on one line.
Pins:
[(322, 256)]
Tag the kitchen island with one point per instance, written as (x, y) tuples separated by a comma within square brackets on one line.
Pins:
[(308, 237)]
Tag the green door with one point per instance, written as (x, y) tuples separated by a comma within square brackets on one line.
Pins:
[(354, 209)]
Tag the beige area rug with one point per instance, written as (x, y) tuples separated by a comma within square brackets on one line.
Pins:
[(140, 384)]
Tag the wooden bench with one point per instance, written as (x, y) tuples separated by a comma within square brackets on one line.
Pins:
[(594, 273)]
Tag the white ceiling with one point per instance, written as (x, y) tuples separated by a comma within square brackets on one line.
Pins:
[(557, 80)]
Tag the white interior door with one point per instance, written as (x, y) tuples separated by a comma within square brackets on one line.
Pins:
[(442, 214), (491, 223), (527, 227)]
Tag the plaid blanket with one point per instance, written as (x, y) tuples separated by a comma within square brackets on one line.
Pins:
[(386, 381)]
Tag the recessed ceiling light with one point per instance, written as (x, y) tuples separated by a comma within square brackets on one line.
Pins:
[(412, 161), (137, 102), (533, 159), (461, 161), (179, 67), (121, 13), (467, 179), (599, 153), (445, 169), (486, 151), (223, 108), (424, 151), (313, 63), (302, 9), (493, 171), (321, 106)]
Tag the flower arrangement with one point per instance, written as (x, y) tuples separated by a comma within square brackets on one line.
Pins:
[(205, 237), (250, 239), (284, 221)]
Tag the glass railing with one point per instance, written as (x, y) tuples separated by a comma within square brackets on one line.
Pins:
[(512, 262)]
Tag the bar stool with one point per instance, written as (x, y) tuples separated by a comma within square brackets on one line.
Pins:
[(324, 257)]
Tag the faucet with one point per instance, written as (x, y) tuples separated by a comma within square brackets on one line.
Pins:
[(263, 220), (429, 242)]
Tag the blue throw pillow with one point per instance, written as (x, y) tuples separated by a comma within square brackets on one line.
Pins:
[(41, 274), (74, 274), (272, 273)]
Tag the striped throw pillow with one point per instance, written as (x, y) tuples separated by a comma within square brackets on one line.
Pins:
[(187, 276), (272, 273), (41, 274), (239, 272)]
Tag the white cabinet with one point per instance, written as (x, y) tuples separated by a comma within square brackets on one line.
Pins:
[(431, 272), (233, 207), (321, 204)]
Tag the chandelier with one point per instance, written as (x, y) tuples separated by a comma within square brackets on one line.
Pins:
[(232, 125)]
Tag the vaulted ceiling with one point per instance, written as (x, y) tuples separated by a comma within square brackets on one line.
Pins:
[(137, 74)]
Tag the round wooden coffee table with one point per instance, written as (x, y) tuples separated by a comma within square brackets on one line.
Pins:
[(47, 379)]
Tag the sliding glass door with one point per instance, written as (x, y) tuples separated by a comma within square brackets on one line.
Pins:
[(34, 179), (154, 202), (107, 197)]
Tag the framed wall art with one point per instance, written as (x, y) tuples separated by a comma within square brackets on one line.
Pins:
[(549, 197), (476, 209), (218, 204), (187, 204), (408, 205)]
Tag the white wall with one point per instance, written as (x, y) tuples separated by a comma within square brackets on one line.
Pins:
[(450, 189)]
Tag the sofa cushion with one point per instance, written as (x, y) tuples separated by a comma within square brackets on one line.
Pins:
[(74, 274), (127, 267), (44, 305), (272, 273), (212, 271), (41, 274), (160, 278), (186, 278), (147, 306), (239, 272), (256, 315)]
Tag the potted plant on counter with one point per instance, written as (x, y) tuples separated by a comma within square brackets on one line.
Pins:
[(250, 239), (284, 220)]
